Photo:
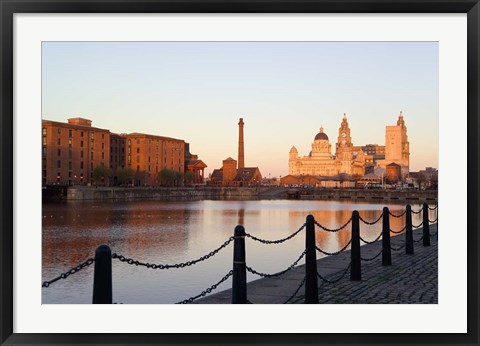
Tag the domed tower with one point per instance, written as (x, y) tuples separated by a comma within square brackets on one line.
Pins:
[(321, 146)]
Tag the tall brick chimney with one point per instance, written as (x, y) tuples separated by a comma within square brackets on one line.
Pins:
[(241, 155)]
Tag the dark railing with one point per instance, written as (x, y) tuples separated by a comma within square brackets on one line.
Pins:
[(102, 282)]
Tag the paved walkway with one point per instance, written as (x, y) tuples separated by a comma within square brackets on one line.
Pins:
[(411, 279)]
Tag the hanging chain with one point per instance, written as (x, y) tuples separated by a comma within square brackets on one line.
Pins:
[(70, 272), (264, 241), (414, 226), (417, 212), (421, 238), (433, 221), (371, 259), (373, 241), (400, 215), (334, 230), (434, 208), (131, 261), (403, 229), (370, 223), (398, 248), (253, 271), (337, 279), (208, 290), (296, 291), (333, 253)]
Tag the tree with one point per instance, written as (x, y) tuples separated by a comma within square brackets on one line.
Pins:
[(189, 176), (125, 175), (102, 175), (167, 177), (178, 178)]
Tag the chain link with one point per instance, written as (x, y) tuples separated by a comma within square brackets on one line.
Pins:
[(131, 261), (416, 241), (253, 271), (414, 226), (208, 290), (417, 212), (397, 232), (397, 248), (296, 291), (373, 241), (434, 208), (433, 221), (279, 241), (400, 215), (333, 253), (70, 272), (337, 279), (371, 259), (334, 230), (370, 223)]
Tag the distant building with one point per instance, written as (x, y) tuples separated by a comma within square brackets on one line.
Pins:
[(426, 178), (71, 152), (397, 146), (350, 159), (393, 173), (230, 175), (148, 154), (320, 160), (195, 166), (117, 152)]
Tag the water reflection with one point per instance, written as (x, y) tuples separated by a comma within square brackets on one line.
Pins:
[(178, 231)]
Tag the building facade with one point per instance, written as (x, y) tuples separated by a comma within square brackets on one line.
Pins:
[(71, 151), (397, 146), (230, 174), (321, 162), (148, 154), (350, 159)]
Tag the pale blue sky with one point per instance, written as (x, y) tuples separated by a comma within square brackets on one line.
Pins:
[(285, 91)]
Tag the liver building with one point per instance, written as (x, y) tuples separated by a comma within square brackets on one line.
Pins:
[(350, 159)]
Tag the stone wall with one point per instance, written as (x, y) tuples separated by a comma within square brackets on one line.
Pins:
[(158, 193), (134, 193)]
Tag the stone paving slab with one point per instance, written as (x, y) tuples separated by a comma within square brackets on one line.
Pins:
[(411, 279)]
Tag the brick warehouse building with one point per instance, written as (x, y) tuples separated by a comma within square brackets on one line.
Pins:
[(71, 151), (147, 155)]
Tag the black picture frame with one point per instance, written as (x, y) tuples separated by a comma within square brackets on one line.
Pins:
[(10, 7)]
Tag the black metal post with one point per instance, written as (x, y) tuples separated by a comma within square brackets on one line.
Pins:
[(102, 277), (239, 281), (426, 226), (386, 250), (356, 267), (311, 281), (408, 233)]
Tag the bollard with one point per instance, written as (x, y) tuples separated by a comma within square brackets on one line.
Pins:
[(102, 277), (386, 250), (408, 233), (239, 281), (426, 226), (356, 267), (311, 281)]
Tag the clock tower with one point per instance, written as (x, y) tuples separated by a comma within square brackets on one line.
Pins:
[(344, 149)]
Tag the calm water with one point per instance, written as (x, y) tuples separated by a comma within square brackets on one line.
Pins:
[(178, 231)]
